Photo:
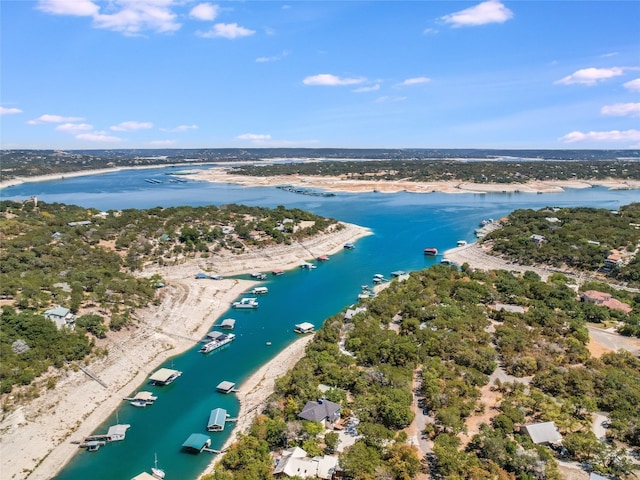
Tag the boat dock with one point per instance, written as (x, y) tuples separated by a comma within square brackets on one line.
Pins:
[(226, 387), (147, 397)]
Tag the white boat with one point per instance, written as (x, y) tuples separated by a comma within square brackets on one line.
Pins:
[(246, 302), (138, 403), (155, 471), (218, 343), (308, 266), (259, 275), (260, 291)]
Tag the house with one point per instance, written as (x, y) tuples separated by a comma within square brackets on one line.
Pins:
[(544, 433), (509, 308), (61, 316), (323, 411), (351, 312), (613, 260), (294, 462), (537, 239), (605, 300)]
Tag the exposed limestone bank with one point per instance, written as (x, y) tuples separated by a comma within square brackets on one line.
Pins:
[(476, 256), (344, 184), (45, 426)]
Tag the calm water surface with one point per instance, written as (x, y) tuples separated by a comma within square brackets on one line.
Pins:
[(403, 225)]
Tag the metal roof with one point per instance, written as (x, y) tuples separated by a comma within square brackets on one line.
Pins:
[(144, 476), (196, 441), (544, 432), (225, 385), (217, 418), (163, 375)]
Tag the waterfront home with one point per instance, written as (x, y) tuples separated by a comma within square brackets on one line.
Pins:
[(61, 316), (543, 433), (324, 411), (605, 300), (294, 462)]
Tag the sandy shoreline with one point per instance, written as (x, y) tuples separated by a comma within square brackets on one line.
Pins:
[(46, 425)]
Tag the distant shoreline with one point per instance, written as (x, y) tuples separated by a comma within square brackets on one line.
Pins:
[(339, 184)]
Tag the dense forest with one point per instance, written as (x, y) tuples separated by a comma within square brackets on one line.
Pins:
[(83, 259), (419, 164), (430, 170), (575, 238), (442, 325)]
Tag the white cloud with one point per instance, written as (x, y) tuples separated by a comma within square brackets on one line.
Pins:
[(227, 30), (275, 58), (254, 137), (74, 127), (429, 31), (622, 109), (610, 136), (131, 126), (326, 79), (81, 8), (204, 11), (132, 17), (491, 11), (414, 81), (389, 99), (46, 118), (180, 128), (372, 88), (590, 76), (633, 85), (98, 137), (162, 143), (9, 111)]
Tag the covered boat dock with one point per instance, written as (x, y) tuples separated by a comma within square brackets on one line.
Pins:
[(304, 327), (164, 376), (217, 419), (226, 387), (197, 443)]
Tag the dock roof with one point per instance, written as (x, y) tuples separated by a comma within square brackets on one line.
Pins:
[(217, 419), (304, 326), (228, 323), (163, 375), (196, 441), (225, 386)]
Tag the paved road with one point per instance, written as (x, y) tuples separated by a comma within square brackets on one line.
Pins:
[(614, 341)]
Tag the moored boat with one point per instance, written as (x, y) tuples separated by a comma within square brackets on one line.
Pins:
[(219, 342), (246, 302), (431, 251)]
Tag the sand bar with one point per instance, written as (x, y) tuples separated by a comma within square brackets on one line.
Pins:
[(45, 426)]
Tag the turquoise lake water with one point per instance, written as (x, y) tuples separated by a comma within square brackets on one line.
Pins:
[(403, 225)]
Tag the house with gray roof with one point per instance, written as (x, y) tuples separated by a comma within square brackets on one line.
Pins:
[(295, 463), (61, 316), (323, 411), (543, 433)]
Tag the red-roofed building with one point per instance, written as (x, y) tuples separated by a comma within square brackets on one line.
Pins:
[(605, 300)]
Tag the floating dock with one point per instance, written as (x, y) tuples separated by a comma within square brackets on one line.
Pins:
[(226, 387), (164, 376)]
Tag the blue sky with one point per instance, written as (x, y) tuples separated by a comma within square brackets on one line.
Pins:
[(353, 74)]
